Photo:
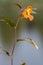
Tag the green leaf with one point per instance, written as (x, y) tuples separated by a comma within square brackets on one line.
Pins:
[(4, 51), (29, 40), (7, 21), (34, 43)]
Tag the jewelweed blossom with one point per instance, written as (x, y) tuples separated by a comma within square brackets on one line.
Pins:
[(27, 13)]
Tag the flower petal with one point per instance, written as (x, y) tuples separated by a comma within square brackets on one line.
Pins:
[(31, 17)]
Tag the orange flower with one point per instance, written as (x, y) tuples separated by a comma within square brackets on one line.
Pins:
[(27, 13)]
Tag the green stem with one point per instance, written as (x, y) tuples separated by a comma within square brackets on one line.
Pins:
[(15, 28), (11, 61), (14, 41)]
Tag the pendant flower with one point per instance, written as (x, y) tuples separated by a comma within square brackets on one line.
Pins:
[(27, 13)]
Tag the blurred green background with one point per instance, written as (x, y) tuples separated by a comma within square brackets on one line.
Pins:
[(32, 29)]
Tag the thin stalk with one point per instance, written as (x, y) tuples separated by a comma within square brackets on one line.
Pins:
[(15, 28), (13, 46), (14, 41), (11, 61), (17, 22)]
